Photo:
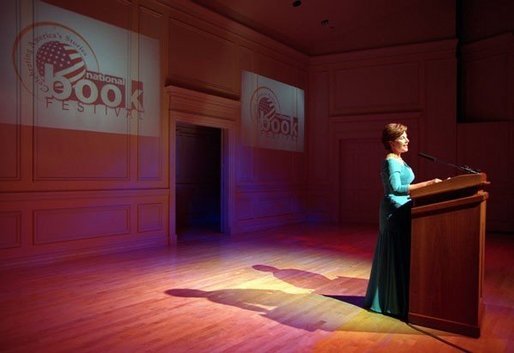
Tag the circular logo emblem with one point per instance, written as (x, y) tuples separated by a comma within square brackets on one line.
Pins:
[(263, 104), (48, 49)]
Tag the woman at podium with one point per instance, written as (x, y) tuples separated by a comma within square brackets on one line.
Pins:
[(388, 286)]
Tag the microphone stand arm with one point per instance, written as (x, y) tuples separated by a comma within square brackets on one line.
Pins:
[(464, 168)]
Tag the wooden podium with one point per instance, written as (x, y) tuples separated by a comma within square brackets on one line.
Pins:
[(447, 254)]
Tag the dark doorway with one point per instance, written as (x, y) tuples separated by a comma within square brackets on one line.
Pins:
[(198, 182)]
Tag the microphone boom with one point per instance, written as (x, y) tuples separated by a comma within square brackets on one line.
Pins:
[(464, 168)]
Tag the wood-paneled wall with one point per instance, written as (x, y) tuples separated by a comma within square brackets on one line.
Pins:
[(67, 193), (486, 128), (70, 192), (489, 146), (353, 96), (488, 79), (262, 187)]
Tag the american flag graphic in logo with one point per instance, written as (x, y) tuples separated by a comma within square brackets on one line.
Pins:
[(267, 107), (66, 60)]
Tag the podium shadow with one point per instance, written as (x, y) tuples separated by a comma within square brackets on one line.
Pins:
[(350, 299)]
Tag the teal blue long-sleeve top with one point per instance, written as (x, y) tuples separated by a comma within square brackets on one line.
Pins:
[(396, 178)]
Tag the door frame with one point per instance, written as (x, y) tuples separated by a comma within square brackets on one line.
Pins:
[(226, 177)]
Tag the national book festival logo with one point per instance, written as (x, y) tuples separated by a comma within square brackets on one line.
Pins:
[(272, 113), (77, 86)]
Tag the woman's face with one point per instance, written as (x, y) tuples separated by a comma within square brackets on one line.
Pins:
[(400, 145)]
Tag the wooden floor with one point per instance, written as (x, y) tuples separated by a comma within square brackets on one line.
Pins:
[(296, 289)]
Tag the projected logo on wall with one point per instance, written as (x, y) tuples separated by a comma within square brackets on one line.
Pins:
[(272, 113), (80, 76)]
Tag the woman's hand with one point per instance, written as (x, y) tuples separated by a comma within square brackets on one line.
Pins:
[(424, 183), (433, 181)]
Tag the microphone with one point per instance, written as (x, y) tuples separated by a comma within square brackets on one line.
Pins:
[(464, 168), (427, 156)]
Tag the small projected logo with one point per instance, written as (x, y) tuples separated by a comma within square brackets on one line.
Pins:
[(57, 65), (265, 110), (65, 60)]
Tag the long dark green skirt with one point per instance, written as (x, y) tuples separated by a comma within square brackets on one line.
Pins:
[(388, 286)]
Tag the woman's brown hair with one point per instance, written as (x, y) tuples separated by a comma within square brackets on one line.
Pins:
[(391, 132)]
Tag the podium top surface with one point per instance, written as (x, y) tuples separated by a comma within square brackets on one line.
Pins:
[(456, 183)]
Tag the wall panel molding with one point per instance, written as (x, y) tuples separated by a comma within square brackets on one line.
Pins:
[(488, 79), (191, 103), (67, 224), (208, 21), (152, 151), (208, 52), (10, 158), (430, 50), (58, 155), (497, 136), (10, 226), (150, 217), (63, 224), (188, 67), (377, 88)]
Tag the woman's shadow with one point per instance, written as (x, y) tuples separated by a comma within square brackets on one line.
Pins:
[(322, 308), (346, 289), (306, 311)]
